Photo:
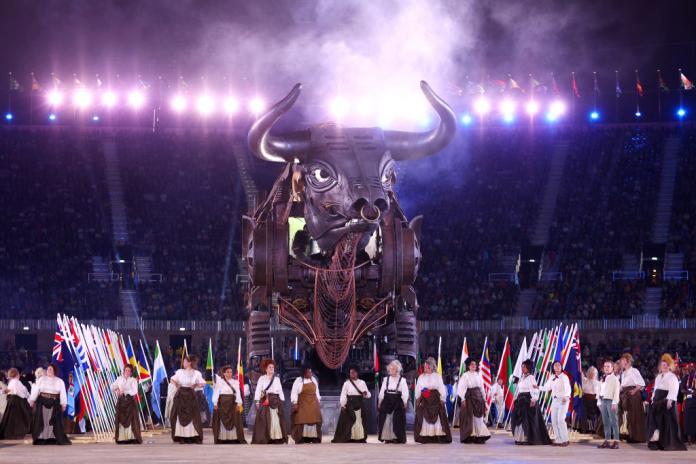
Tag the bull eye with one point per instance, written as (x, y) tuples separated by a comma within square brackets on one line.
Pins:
[(321, 175)]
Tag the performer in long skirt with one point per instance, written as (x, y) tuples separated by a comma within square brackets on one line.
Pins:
[(688, 388), (631, 410), (559, 386), (393, 397), (590, 390), (353, 418), (227, 409), (127, 418), (663, 427), (472, 409), (497, 401), (306, 412), (269, 398), (432, 425), (528, 426), (608, 403), (49, 400), (185, 415), (16, 420)]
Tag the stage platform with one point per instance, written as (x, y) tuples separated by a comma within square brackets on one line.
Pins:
[(159, 449)]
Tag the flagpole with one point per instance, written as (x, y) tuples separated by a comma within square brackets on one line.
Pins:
[(137, 378), (147, 366)]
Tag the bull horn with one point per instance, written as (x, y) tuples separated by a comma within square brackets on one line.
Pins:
[(279, 149), (409, 145)]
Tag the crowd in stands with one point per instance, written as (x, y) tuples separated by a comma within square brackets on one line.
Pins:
[(480, 200)]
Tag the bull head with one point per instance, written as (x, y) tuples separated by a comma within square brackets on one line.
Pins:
[(347, 172)]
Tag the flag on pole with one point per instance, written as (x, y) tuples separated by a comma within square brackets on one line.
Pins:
[(143, 368), (439, 356), (159, 374), (685, 82), (639, 86), (661, 82), (574, 372), (576, 92), (486, 369), (521, 357), (505, 373), (209, 376), (184, 353), (35, 86), (14, 83), (463, 357), (240, 369), (375, 358), (554, 86)]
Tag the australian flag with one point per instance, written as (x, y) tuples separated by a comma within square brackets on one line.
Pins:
[(574, 371), (62, 357)]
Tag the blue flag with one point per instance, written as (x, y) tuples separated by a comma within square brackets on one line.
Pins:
[(574, 371)]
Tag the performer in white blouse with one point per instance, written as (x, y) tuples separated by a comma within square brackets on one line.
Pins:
[(227, 420), (16, 419), (269, 398), (392, 401), (528, 425), (663, 425), (559, 386), (608, 402), (496, 397), (127, 418), (350, 427), (306, 411), (185, 417), (472, 410), (431, 425), (49, 400), (631, 410), (590, 390)]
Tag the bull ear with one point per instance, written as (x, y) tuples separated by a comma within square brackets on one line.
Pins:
[(298, 183), (416, 225), (278, 148), (414, 145)]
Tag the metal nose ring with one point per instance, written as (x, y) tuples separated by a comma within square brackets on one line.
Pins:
[(366, 217)]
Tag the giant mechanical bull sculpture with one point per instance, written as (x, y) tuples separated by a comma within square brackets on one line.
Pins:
[(352, 259)]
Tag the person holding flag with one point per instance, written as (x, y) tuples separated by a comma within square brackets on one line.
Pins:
[(391, 403), (227, 420), (127, 419), (350, 427), (269, 427), (48, 400), (306, 412), (472, 413), (559, 386), (185, 417), (431, 425), (527, 422)]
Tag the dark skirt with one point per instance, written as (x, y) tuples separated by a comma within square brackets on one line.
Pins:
[(55, 422), (588, 422), (228, 415), (665, 420), (393, 404), (16, 422), (127, 416), (474, 406), (347, 418), (530, 419), (690, 418), (430, 409), (632, 405), (185, 409), (262, 426)]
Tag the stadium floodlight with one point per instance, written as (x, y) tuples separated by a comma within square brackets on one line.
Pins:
[(681, 112), (109, 99), (482, 106), (230, 105), (136, 99), (638, 114), (55, 98), (466, 119), (594, 115), (178, 103), (532, 107), (557, 107), (52, 117), (205, 105), (338, 107), (256, 105), (82, 98), (9, 116)]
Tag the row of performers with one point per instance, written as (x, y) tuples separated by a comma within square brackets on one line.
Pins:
[(617, 399)]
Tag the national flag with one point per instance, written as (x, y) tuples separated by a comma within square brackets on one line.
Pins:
[(463, 357), (554, 86), (184, 353), (562, 339), (159, 374), (209, 376), (375, 358), (240, 369), (501, 84), (485, 367), (639, 86), (574, 372), (56, 82), (574, 87), (521, 357), (14, 84), (505, 373), (439, 356), (79, 347), (143, 367), (661, 82), (512, 84), (76, 81), (57, 347), (35, 86), (131, 355), (685, 82)]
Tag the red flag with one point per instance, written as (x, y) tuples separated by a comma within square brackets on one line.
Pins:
[(505, 373), (639, 86), (685, 82), (576, 92)]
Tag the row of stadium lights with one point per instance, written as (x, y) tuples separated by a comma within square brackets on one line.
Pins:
[(205, 105)]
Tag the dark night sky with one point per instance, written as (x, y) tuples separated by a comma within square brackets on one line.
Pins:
[(271, 43)]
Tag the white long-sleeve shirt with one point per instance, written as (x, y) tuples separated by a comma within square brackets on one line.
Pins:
[(51, 385), (389, 382), (668, 382), (189, 378), (526, 385), (609, 389), (298, 385), (431, 382), (263, 382), (349, 390), (559, 386), (16, 387), (632, 378), (129, 386), (496, 393), (590, 386), (469, 380), (221, 388)]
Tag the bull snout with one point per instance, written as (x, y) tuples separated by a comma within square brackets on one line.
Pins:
[(370, 211)]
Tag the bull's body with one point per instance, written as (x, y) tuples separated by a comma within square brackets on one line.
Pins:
[(330, 244)]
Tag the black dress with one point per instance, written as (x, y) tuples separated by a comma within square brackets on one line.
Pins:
[(16, 422), (47, 426), (664, 420), (530, 419), (393, 404)]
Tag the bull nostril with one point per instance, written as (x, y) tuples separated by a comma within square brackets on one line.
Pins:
[(370, 213), (382, 204)]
